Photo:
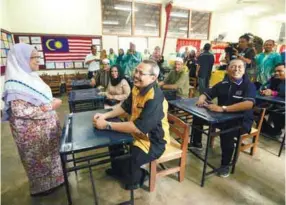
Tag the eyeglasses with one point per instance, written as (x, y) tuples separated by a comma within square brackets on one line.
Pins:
[(279, 71), (35, 57), (140, 73)]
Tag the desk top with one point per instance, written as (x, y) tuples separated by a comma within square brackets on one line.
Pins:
[(189, 105), (84, 94), (271, 99), (80, 82), (79, 134)]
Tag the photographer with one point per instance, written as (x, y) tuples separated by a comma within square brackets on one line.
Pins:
[(246, 54)]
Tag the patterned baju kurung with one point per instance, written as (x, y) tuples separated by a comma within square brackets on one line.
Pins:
[(37, 136)]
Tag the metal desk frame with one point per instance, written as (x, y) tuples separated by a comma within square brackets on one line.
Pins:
[(66, 150)]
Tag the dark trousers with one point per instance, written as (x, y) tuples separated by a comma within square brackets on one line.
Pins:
[(226, 140), (89, 74), (278, 119), (121, 165), (203, 84)]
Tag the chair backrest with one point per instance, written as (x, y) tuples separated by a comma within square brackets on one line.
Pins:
[(180, 129), (193, 81), (258, 116)]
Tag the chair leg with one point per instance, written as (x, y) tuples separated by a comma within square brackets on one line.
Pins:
[(182, 168), (254, 145), (153, 173)]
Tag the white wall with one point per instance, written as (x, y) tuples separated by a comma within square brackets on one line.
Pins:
[(4, 20), (234, 25), (55, 16)]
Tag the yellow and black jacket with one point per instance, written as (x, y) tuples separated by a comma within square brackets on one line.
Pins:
[(148, 110)]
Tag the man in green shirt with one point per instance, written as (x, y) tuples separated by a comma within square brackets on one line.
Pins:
[(178, 79)]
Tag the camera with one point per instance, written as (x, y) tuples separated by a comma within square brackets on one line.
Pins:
[(230, 51)]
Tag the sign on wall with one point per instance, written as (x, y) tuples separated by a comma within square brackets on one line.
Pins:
[(6, 44)]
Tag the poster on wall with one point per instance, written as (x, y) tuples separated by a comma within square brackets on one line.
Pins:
[(78, 64), (36, 39), (69, 65), (190, 43), (6, 45), (218, 49), (24, 39), (38, 47), (60, 65), (50, 65)]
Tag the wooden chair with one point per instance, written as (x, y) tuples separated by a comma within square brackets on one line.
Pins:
[(254, 133), (55, 84), (174, 150), (68, 80)]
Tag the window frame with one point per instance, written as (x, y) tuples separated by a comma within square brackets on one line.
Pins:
[(133, 22)]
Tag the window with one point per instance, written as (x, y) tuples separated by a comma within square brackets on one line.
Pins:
[(199, 25), (116, 17), (179, 23), (147, 19)]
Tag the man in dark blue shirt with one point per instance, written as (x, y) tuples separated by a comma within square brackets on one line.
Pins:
[(205, 65), (235, 94), (275, 87)]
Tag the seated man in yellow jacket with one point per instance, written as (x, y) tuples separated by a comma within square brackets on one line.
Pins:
[(178, 79), (150, 136)]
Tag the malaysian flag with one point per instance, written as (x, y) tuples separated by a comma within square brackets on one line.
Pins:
[(66, 49)]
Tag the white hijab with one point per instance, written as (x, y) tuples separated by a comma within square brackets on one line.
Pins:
[(21, 82)]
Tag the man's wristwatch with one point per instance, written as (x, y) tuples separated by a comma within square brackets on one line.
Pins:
[(108, 126), (224, 108)]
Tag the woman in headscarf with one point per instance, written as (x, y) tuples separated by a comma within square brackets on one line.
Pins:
[(132, 59), (157, 57), (120, 61), (30, 108), (118, 88)]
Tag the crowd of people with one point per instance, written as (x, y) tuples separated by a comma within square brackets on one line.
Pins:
[(131, 80)]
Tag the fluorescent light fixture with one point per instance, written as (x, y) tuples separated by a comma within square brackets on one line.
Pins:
[(180, 15), (150, 25), (183, 28), (110, 22), (279, 17), (123, 8)]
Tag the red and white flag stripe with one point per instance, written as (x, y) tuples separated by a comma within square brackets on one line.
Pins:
[(78, 49)]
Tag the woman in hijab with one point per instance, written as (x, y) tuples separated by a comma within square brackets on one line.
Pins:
[(118, 88), (120, 61), (192, 64), (30, 108), (157, 57)]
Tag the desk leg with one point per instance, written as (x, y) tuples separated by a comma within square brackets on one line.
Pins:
[(206, 156), (281, 146), (93, 185), (66, 179), (131, 169), (236, 151)]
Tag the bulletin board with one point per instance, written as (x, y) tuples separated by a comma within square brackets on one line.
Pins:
[(6, 44), (59, 52)]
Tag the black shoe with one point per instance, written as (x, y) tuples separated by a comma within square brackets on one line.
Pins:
[(144, 177), (112, 173), (223, 171), (45, 193), (197, 146)]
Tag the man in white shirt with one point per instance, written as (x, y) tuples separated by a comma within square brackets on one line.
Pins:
[(92, 60)]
